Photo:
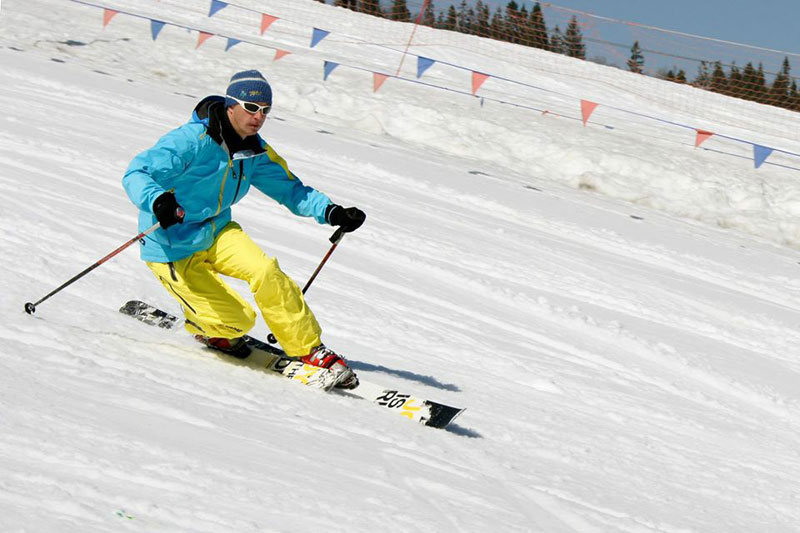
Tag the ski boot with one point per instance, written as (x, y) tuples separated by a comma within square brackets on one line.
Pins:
[(237, 347), (324, 357)]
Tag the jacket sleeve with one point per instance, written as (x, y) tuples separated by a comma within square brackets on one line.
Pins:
[(152, 172), (273, 177)]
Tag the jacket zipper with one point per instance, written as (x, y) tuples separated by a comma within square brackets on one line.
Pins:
[(239, 181), (222, 186)]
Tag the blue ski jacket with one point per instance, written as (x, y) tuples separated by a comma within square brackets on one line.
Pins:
[(194, 162)]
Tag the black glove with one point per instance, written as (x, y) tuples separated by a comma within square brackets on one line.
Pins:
[(348, 218), (167, 210)]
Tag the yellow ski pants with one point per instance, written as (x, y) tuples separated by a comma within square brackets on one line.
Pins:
[(214, 309)]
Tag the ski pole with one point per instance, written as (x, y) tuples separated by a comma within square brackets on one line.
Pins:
[(30, 308), (335, 239)]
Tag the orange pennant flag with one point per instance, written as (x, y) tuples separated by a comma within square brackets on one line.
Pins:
[(108, 14), (266, 21), (587, 108), (477, 80), (280, 53), (377, 81), (702, 135), (203, 37)]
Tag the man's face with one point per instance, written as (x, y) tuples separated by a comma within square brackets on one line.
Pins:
[(244, 122)]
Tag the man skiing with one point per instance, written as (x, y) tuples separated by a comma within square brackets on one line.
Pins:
[(188, 182)]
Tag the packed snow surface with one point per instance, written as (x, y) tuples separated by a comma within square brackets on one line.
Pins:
[(617, 310)]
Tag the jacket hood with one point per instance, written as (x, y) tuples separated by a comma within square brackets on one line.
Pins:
[(201, 111)]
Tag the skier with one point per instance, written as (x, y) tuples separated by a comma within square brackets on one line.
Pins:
[(188, 182)]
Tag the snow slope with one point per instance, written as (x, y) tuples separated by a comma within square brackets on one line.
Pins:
[(626, 363)]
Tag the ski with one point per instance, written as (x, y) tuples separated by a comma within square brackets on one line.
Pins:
[(273, 359), (269, 357)]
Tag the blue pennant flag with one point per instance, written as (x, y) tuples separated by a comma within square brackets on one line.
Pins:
[(231, 43), (155, 28), (216, 5), (318, 36), (329, 66), (760, 154), (423, 64)]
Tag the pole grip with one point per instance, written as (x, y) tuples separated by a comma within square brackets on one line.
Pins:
[(337, 236)]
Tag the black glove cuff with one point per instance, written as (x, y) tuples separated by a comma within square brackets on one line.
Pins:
[(328, 211)]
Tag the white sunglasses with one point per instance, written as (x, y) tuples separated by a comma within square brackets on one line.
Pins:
[(252, 107)]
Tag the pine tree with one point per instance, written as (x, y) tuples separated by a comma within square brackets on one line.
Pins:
[(680, 77), (451, 20), (719, 81), (464, 18), (573, 40), (429, 15), (735, 81), (794, 97), (538, 28), (371, 7), (703, 79), (760, 88), (523, 25), (779, 92), (497, 26), (748, 82), (636, 61), (513, 31), (557, 41), (399, 11), (482, 19)]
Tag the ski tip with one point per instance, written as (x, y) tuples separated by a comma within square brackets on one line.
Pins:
[(442, 415)]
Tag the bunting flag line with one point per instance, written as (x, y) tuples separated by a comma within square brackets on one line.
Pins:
[(155, 28), (760, 154), (328, 68), (216, 5), (587, 108), (702, 136), (108, 14), (203, 37), (477, 80), (266, 22), (231, 43), (423, 64), (377, 81), (317, 36)]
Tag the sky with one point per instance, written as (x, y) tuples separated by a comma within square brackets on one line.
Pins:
[(771, 24)]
